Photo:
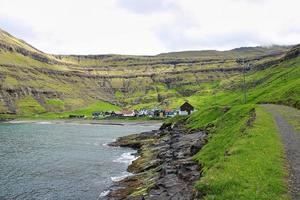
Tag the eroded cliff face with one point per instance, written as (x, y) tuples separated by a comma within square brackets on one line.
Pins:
[(47, 82), (19, 82), (78, 81)]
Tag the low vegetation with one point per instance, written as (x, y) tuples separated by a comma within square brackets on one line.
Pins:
[(244, 158), (98, 106), (28, 106)]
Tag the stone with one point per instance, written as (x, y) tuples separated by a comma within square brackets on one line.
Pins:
[(165, 169)]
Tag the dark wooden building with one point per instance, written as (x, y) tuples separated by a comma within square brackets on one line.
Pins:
[(187, 107)]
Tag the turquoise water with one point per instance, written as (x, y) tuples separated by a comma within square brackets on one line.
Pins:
[(61, 161)]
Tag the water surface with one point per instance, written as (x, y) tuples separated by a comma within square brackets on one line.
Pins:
[(61, 161)]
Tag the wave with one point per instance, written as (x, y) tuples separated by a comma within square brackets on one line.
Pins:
[(103, 194), (106, 144), (43, 122), (121, 177), (29, 122), (16, 122), (126, 158)]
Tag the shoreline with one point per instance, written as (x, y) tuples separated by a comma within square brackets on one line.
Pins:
[(164, 168), (85, 122)]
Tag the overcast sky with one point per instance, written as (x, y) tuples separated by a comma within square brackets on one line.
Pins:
[(150, 26)]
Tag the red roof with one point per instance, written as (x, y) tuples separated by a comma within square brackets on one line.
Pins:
[(127, 112)]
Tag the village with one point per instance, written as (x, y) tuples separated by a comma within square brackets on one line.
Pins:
[(155, 113)]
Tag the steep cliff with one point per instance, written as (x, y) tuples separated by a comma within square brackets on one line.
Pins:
[(33, 82)]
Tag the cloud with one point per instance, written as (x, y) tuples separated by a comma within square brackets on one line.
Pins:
[(146, 6), (230, 23), (150, 26), (189, 40)]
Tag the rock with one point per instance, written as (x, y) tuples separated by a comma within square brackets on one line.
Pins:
[(293, 53), (165, 169), (165, 126)]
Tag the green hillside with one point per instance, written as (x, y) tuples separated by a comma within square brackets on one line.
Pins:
[(244, 156), (70, 83)]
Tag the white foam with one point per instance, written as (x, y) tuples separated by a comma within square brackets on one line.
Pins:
[(119, 178), (17, 122), (103, 194), (43, 123), (126, 158), (105, 144), (29, 122)]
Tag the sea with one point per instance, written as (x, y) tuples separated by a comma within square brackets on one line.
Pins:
[(47, 160)]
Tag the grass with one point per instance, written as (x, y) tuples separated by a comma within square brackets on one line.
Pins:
[(119, 94), (282, 86), (241, 161), (55, 104), (87, 111), (10, 81), (206, 117), (28, 106), (278, 84)]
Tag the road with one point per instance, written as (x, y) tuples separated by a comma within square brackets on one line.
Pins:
[(288, 121)]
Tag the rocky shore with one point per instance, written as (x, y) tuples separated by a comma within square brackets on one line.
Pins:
[(165, 168)]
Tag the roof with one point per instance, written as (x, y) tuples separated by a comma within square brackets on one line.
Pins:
[(186, 106), (127, 112)]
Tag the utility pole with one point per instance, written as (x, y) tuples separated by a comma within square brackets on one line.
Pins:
[(244, 82)]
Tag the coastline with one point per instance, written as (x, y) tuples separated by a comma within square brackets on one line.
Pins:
[(164, 168), (163, 165), (86, 122)]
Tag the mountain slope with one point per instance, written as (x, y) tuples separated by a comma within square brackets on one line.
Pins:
[(33, 82)]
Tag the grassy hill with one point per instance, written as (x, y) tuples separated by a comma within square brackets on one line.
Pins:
[(35, 83), (244, 157)]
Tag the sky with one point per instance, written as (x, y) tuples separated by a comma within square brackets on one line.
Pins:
[(148, 27)]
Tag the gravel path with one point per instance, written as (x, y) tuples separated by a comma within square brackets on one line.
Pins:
[(291, 140)]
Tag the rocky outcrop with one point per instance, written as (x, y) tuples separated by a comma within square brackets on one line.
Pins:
[(165, 168), (9, 96), (293, 53), (36, 55)]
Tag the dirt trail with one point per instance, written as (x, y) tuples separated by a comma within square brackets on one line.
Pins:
[(288, 120)]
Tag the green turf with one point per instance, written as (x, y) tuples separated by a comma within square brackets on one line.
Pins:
[(87, 111), (55, 104), (240, 161), (28, 106)]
